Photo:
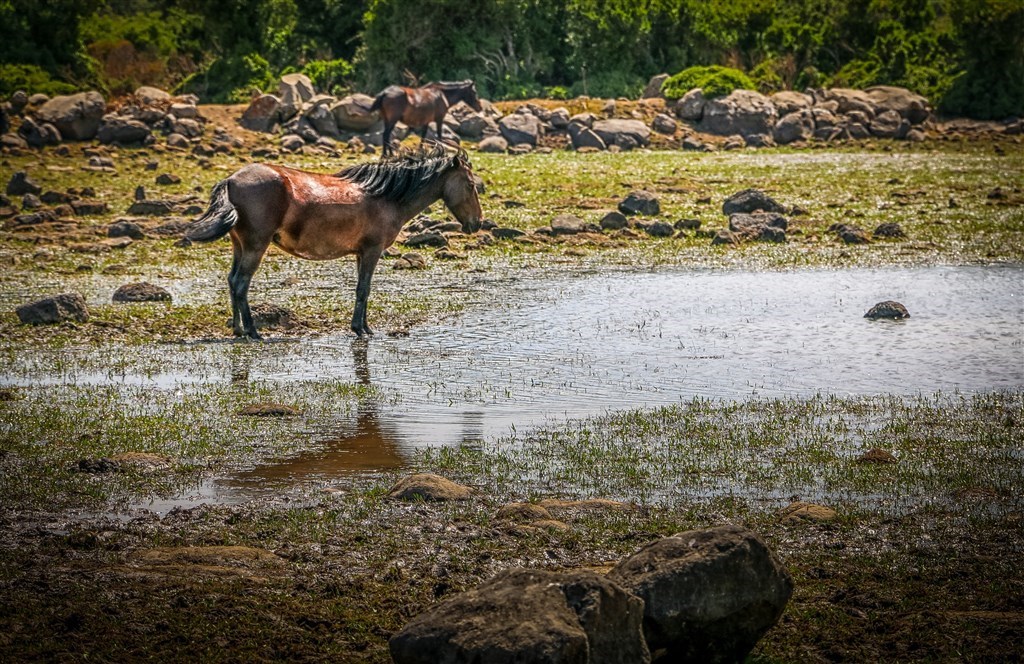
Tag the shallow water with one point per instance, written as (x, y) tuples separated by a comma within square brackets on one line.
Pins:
[(555, 349)]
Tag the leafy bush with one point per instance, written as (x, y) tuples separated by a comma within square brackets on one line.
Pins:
[(231, 79), (31, 79), (329, 75), (556, 92), (715, 81)]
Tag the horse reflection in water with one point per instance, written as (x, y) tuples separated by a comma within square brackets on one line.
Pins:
[(359, 210), (369, 446)]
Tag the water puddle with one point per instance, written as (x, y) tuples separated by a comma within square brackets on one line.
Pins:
[(555, 349)]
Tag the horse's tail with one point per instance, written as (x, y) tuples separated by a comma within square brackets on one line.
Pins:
[(377, 103), (218, 219)]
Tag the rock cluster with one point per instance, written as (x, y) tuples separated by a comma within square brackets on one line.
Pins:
[(698, 596)]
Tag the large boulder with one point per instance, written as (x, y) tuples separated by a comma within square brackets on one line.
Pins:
[(520, 128), (317, 112), (582, 136), (352, 113), (909, 105), (38, 134), (750, 200), (851, 100), (76, 116), (476, 126), (640, 202), (691, 105), (709, 595), (149, 96), (294, 90), (795, 126), (117, 129), (653, 88), (624, 133), (889, 124), (56, 309), (790, 101), (534, 616), (263, 114), (742, 112)]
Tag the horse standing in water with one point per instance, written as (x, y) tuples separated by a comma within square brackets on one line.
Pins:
[(359, 210), (418, 107)]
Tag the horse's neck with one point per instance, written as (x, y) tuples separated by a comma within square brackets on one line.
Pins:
[(453, 96), (422, 200)]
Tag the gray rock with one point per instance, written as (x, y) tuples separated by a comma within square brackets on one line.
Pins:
[(584, 119), (426, 239), (262, 114), (352, 113), (724, 236), (76, 116), (569, 224), (89, 208), (20, 184), (693, 143), (709, 595), (795, 126), (292, 143), (640, 202), (691, 105), (888, 309), (177, 141), (187, 127), (559, 118), (790, 101), (889, 230), (323, 120), (56, 309), (759, 141), (38, 135), (851, 100), (583, 136), (294, 90), (493, 144), (507, 233), (613, 221), (657, 228), (168, 178), (13, 142), (520, 128), (663, 124), (184, 111), (148, 95), (618, 132), (31, 202), (151, 208), (742, 112), (911, 106), (850, 234), (18, 101), (534, 616), (750, 200), (889, 124), (125, 228), (477, 126), (653, 88), (141, 292), (755, 225), (125, 131)]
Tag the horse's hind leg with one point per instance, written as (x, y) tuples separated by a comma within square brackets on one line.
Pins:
[(247, 260), (366, 262), (235, 314), (386, 144)]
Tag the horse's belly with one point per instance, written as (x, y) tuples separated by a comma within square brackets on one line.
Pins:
[(322, 238)]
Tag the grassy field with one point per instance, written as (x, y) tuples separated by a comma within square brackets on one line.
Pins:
[(919, 563)]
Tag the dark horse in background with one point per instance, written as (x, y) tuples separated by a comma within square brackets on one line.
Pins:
[(418, 107), (359, 210)]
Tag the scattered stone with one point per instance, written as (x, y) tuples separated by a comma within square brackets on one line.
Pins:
[(507, 233), (123, 131), (709, 595), (877, 456), (889, 229), (693, 143), (613, 221), (493, 144), (724, 236), (584, 138), (850, 234), (292, 143), (888, 309), (640, 202), (426, 239), (657, 228), (533, 616), (269, 409), (410, 261), (263, 114), (663, 124), (89, 208), (800, 512), (38, 135), (177, 141), (448, 255), (141, 292), (627, 134), (750, 200), (98, 466), (56, 309), (151, 208), (168, 178), (266, 315), (687, 225), (523, 512), (570, 224), (31, 202), (19, 184), (425, 486)]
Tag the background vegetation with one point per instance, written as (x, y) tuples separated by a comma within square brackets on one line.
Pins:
[(965, 55)]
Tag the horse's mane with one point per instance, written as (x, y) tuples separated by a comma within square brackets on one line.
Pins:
[(401, 176), (453, 85)]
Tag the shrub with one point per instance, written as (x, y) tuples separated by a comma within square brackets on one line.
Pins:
[(31, 79), (329, 75), (230, 79), (715, 81), (556, 92)]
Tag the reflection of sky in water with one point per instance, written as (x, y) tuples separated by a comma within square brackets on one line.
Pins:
[(583, 346)]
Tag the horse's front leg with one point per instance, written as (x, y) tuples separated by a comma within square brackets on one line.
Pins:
[(366, 262), (386, 144)]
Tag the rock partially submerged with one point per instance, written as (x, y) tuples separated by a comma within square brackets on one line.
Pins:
[(426, 486), (56, 309), (888, 309)]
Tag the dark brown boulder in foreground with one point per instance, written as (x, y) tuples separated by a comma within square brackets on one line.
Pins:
[(532, 616), (141, 292), (887, 309), (67, 306), (709, 595)]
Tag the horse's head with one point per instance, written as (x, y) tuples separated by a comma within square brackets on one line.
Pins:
[(470, 97), (460, 192)]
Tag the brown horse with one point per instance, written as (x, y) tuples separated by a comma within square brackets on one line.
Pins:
[(418, 107), (359, 210)]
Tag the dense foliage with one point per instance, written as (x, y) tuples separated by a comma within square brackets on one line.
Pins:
[(966, 55), (714, 81)]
